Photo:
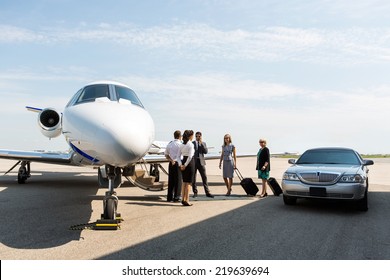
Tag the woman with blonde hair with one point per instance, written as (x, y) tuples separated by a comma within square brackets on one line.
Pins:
[(228, 156)]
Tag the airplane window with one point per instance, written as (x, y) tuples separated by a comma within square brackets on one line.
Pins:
[(74, 98), (90, 93), (128, 94)]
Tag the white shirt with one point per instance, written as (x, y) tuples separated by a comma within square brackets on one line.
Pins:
[(172, 149), (186, 150)]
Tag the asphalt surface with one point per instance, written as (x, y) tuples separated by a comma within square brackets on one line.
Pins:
[(36, 218)]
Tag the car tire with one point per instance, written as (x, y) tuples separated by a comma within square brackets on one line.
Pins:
[(362, 204), (289, 200)]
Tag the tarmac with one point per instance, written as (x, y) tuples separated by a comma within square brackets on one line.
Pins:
[(36, 218)]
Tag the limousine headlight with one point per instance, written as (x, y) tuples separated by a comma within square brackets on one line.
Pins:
[(290, 176), (351, 178)]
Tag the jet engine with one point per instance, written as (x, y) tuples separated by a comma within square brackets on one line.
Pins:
[(49, 121)]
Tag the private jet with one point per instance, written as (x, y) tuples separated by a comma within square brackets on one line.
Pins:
[(107, 127)]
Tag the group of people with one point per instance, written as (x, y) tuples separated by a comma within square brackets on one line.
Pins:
[(186, 157)]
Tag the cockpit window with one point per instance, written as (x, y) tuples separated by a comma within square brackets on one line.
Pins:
[(128, 94), (90, 93), (74, 98)]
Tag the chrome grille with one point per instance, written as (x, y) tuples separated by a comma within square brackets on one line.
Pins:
[(319, 177), (329, 195)]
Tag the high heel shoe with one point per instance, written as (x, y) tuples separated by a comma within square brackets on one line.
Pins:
[(264, 195), (228, 193), (185, 203)]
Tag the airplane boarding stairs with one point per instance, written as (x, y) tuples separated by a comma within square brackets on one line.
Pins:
[(148, 181)]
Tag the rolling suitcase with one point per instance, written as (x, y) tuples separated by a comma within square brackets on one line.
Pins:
[(274, 185), (247, 184)]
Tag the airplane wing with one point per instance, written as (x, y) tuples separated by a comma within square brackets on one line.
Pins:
[(37, 156), (156, 153), (66, 157), (153, 158), (158, 158)]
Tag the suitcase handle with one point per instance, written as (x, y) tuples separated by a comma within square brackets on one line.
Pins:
[(239, 175)]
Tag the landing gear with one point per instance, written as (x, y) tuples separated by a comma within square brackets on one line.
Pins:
[(24, 172), (110, 205), (110, 202), (155, 172), (110, 177)]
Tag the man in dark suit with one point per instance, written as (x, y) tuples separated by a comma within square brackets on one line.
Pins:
[(200, 151)]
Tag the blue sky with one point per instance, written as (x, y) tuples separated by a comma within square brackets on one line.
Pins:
[(301, 74)]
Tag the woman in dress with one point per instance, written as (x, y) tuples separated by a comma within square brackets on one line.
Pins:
[(263, 165), (187, 165), (228, 156)]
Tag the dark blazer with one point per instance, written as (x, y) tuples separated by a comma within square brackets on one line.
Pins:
[(202, 151), (263, 158)]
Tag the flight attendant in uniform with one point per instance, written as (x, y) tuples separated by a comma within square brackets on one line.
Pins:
[(187, 165), (263, 165), (228, 157)]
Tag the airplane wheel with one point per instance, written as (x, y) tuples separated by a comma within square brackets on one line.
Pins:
[(22, 175), (110, 209), (155, 172)]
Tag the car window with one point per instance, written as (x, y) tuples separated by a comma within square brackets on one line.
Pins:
[(329, 157)]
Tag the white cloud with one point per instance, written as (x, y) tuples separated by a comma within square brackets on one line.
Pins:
[(292, 118), (71, 73), (201, 41), (230, 88), (361, 9), (11, 34), (206, 85)]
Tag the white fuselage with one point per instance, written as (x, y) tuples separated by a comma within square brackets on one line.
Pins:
[(107, 132)]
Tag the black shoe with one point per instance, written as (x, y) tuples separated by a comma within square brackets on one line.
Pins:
[(169, 200), (209, 195), (195, 195), (185, 203), (176, 200)]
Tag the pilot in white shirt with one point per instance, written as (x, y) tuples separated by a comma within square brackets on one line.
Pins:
[(172, 152)]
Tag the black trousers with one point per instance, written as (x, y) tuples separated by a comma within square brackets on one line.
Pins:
[(174, 182), (202, 171)]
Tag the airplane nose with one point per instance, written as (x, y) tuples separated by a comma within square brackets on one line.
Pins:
[(136, 133), (128, 134), (109, 132)]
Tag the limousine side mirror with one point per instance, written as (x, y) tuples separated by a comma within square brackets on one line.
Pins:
[(368, 162), (291, 161)]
